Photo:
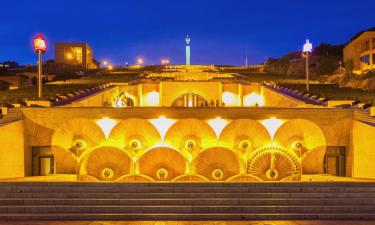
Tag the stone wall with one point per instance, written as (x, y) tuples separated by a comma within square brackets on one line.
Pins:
[(363, 151), (12, 150)]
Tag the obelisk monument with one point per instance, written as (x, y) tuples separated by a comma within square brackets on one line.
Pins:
[(187, 50)]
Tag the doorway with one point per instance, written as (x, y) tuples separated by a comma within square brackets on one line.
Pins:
[(335, 161), (43, 163)]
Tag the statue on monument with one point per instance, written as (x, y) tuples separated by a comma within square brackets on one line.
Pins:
[(187, 40)]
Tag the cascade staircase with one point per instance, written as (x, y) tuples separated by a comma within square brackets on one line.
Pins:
[(63, 201)]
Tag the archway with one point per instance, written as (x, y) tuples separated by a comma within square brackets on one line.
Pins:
[(189, 100)]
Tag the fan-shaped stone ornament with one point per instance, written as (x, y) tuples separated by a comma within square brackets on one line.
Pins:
[(190, 136), (244, 178), (244, 135), (38, 135), (307, 140), (274, 164), (78, 136), (191, 178), (65, 160), (162, 164), (134, 135), (135, 178), (88, 178), (217, 164), (106, 164)]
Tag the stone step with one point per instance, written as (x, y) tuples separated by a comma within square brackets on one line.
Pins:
[(188, 209), (93, 195), (188, 184), (174, 201), (191, 202), (182, 217), (6, 189)]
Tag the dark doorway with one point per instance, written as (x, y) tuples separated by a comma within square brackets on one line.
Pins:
[(335, 161), (43, 163)]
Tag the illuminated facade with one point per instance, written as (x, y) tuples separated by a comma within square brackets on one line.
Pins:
[(361, 51), (76, 54), (217, 129)]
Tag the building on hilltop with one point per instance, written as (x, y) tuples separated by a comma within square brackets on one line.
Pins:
[(360, 50), (76, 54)]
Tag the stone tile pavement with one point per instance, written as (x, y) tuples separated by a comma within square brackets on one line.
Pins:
[(299, 222)]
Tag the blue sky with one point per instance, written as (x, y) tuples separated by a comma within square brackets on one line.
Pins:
[(220, 30)]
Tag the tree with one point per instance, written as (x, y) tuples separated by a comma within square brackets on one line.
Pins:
[(326, 50), (349, 67), (96, 62), (11, 64)]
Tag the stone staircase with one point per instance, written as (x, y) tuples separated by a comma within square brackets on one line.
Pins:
[(62, 201), (12, 116)]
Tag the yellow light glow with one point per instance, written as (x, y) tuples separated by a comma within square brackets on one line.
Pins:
[(106, 124), (152, 99), (165, 61), (110, 67), (229, 99), (162, 124), (253, 100), (69, 56), (272, 124), (140, 61), (218, 124)]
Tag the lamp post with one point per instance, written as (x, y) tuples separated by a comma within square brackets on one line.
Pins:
[(105, 63), (307, 49), (40, 47)]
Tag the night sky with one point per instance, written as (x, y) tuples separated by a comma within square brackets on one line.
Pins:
[(220, 30)]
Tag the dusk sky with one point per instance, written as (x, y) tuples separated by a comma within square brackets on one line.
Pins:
[(220, 30)]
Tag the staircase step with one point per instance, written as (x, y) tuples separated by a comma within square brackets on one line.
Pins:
[(183, 217), (190, 202), (187, 209), (186, 195), (6, 189), (186, 201)]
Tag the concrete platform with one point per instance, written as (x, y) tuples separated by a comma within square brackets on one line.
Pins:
[(282, 222), (73, 178)]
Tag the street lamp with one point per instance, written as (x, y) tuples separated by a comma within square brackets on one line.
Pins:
[(40, 47), (307, 49), (105, 63)]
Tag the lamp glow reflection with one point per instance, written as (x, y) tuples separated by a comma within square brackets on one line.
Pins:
[(218, 124), (253, 100), (272, 124), (162, 124), (106, 124), (152, 98), (229, 99)]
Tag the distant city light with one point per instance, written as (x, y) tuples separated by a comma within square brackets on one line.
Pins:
[(140, 61), (164, 61)]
